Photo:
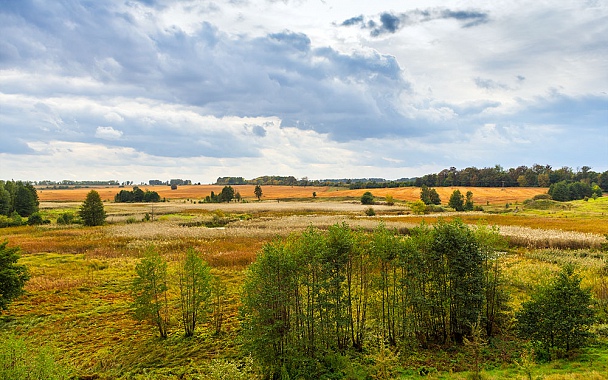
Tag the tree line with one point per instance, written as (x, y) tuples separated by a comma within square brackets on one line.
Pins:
[(521, 176)]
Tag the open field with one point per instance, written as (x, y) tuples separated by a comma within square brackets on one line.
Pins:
[(78, 298), (483, 195)]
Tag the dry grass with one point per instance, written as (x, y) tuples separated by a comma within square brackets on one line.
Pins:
[(482, 195)]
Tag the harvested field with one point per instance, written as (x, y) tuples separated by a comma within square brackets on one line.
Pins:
[(482, 195)]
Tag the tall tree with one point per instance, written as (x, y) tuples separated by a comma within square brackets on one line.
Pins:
[(456, 201), (12, 276), (258, 191), (149, 289), (91, 211), (194, 290)]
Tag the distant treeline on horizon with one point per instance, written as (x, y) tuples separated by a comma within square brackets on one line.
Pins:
[(522, 176), (497, 176)]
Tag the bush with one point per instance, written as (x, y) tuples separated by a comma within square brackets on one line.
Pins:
[(367, 198), (65, 218), (558, 316), (541, 196), (36, 219), (370, 212)]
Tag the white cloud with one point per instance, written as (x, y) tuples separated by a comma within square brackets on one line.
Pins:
[(108, 133)]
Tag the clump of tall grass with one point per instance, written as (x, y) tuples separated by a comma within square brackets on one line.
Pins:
[(538, 238)]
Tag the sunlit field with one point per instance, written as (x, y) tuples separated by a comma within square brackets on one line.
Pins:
[(78, 298)]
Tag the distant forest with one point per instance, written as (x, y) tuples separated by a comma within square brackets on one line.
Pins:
[(497, 176)]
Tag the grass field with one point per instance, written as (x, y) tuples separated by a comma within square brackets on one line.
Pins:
[(78, 299)]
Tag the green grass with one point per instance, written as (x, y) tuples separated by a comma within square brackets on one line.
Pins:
[(78, 303)]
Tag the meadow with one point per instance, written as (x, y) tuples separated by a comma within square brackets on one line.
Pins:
[(78, 298)]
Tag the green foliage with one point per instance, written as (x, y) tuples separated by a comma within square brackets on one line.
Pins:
[(36, 219), (314, 296), (258, 191), (12, 276), (92, 211), (564, 191), (418, 207), (65, 218), (468, 204), (194, 290), (367, 198), (26, 199), (149, 289), (136, 195), (558, 316), (18, 362), (227, 194), (370, 211), (390, 201), (456, 201), (429, 196)]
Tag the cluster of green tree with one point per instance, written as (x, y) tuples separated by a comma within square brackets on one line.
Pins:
[(18, 197), (564, 191), (312, 297), (226, 195), (196, 287), (18, 200), (429, 196), (136, 195), (322, 293), (523, 176)]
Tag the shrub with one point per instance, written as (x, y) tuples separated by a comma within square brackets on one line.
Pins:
[(558, 316), (370, 212), (541, 196), (367, 198), (418, 207), (65, 218)]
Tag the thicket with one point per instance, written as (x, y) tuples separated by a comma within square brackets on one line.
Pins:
[(136, 195), (311, 297)]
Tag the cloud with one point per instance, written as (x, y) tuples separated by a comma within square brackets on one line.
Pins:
[(108, 133), (391, 23)]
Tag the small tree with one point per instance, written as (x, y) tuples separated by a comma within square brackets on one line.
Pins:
[(367, 198), (558, 315), (12, 276), (194, 290), (227, 194), (429, 196), (258, 191), (468, 204), (418, 207), (149, 291), (92, 212), (456, 201)]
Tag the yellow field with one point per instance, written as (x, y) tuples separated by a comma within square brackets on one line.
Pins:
[(482, 195)]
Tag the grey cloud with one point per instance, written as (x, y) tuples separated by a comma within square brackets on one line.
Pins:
[(490, 84), (390, 22)]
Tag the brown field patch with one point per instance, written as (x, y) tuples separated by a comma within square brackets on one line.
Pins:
[(481, 195)]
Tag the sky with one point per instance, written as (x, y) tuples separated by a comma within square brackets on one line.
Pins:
[(157, 89)]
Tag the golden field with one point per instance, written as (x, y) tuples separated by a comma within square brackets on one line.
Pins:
[(483, 195)]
